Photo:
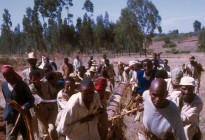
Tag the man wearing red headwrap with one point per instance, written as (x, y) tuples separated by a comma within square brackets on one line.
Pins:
[(15, 89), (100, 87)]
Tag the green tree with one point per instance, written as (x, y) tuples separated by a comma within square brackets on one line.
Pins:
[(86, 33), (6, 33), (197, 26), (51, 8), (99, 32), (127, 31), (201, 40), (88, 6), (147, 17), (17, 38)]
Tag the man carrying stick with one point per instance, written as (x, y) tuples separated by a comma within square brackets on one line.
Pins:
[(79, 118)]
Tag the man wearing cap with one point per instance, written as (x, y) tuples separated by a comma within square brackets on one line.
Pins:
[(194, 69), (191, 109), (173, 87), (32, 60), (161, 120), (79, 118), (92, 73), (14, 88)]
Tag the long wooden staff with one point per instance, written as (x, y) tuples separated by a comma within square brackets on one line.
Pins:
[(122, 114)]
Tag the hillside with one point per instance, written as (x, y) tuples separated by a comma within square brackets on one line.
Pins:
[(189, 44)]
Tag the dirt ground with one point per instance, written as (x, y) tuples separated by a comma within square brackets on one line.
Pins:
[(130, 128)]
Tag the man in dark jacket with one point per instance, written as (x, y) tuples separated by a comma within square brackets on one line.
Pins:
[(14, 88)]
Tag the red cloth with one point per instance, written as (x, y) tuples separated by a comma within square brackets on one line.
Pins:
[(101, 84), (7, 68)]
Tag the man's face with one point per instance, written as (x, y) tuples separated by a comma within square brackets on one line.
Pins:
[(65, 61), (87, 94), (69, 86), (136, 68), (187, 92), (147, 66), (191, 61), (35, 80), (32, 62), (92, 73), (165, 63), (9, 76), (158, 96)]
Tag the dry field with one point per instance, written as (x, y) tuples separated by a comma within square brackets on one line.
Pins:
[(130, 128)]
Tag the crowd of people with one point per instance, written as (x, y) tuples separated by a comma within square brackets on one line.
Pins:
[(69, 103)]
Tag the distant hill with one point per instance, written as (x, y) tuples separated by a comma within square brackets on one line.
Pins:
[(189, 44)]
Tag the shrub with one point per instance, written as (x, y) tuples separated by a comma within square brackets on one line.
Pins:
[(173, 51), (168, 43), (201, 40)]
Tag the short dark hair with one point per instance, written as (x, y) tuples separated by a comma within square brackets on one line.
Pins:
[(82, 68), (34, 73), (166, 60), (147, 61), (86, 82), (50, 76), (70, 79), (161, 74)]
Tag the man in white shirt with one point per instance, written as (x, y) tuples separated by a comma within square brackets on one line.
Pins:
[(77, 63), (191, 109), (32, 60), (79, 119), (161, 118)]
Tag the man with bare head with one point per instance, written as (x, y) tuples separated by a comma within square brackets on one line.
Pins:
[(158, 122), (145, 76), (67, 68), (79, 119)]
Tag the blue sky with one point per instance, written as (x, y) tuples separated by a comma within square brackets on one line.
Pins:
[(176, 14)]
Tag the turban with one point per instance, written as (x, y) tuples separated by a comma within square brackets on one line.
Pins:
[(9, 68), (101, 84)]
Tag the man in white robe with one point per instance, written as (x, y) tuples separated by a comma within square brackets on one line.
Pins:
[(79, 119)]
